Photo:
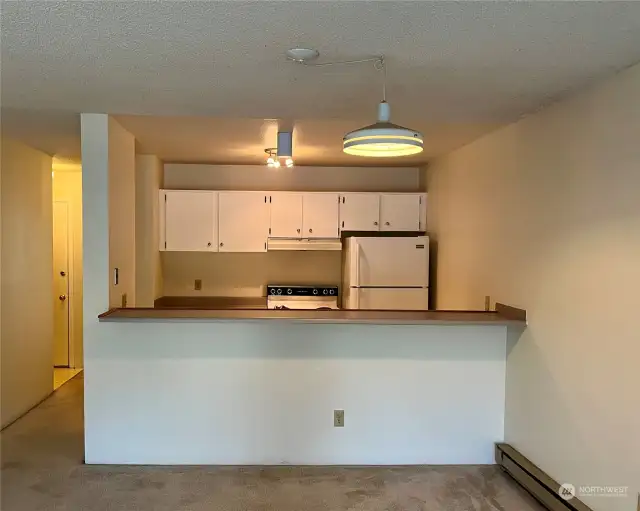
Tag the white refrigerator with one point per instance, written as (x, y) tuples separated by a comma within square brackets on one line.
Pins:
[(386, 273)]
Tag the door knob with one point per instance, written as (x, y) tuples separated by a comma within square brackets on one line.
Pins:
[(62, 298), (63, 274)]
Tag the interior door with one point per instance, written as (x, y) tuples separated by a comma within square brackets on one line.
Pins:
[(61, 284), (286, 215), (320, 215), (392, 262), (359, 211), (243, 221), (400, 212), (190, 221)]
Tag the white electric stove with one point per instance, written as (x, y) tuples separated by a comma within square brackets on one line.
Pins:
[(302, 297)]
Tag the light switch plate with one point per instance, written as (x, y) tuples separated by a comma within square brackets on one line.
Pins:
[(197, 285), (338, 418)]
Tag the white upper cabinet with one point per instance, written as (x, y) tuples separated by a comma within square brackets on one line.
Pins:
[(190, 220), (243, 221), (400, 212), (359, 211), (286, 215), (320, 215)]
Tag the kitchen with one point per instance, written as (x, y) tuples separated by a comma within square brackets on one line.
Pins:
[(273, 240), (184, 346)]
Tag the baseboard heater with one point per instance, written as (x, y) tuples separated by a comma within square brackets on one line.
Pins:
[(539, 484)]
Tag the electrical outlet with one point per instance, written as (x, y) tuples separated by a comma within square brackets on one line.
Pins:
[(197, 285), (338, 418)]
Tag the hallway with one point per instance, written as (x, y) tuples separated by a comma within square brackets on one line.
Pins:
[(42, 470)]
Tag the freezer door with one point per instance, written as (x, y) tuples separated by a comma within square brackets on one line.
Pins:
[(390, 262), (389, 298)]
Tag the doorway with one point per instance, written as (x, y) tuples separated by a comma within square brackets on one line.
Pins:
[(67, 273)]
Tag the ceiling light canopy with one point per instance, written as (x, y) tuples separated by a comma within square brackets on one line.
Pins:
[(380, 140)]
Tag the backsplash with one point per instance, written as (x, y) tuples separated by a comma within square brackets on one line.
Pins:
[(246, 274)]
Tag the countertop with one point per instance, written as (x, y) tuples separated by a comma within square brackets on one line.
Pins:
[(235, 309)]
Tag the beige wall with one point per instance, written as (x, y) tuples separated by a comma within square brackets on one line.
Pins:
[(318, 179), (149, 177), (122, 222), (26, 337), (545, 215), (229, 274), (67, 187)]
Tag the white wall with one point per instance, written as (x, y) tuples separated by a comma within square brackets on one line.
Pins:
[(264, 393), (26, 336), (122, 213), (545, 215), (318, 179), (149, 179)]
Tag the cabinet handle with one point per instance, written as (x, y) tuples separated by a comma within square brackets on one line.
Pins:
[(221, 244), (298, 230), (209, 244), (375, 223), (310, 230), (387, 223)]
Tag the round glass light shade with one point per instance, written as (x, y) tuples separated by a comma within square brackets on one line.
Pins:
[(383, 139)]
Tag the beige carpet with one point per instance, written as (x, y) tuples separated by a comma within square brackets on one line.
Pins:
[(42, 470)]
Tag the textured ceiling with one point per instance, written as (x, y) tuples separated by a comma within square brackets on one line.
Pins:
[(455, 69)]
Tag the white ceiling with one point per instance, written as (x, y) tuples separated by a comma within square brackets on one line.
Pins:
[(455, 69)]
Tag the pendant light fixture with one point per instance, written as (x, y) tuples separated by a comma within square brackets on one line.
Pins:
[(382, 139)]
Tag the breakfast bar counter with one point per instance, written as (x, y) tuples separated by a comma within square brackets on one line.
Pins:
[(503, 316)]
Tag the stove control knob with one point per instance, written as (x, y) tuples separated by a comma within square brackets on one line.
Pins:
[(279, 291), (315, 291), (289, 291), (331, 291), (324, 292), (273, 291)]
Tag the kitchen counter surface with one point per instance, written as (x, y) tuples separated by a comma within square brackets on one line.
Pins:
[(504, 315)]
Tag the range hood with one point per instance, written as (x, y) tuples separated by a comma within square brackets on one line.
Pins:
[(328, 244)]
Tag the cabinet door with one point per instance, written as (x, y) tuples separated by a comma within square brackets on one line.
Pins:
[(243, 221), (400, 212), (286, 215), (359, 211), (190, 221), (320, 215)]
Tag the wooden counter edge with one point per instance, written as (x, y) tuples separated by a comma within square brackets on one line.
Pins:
[(512, 313)]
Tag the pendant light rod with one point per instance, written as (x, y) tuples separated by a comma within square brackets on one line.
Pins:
[(298, 56)]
